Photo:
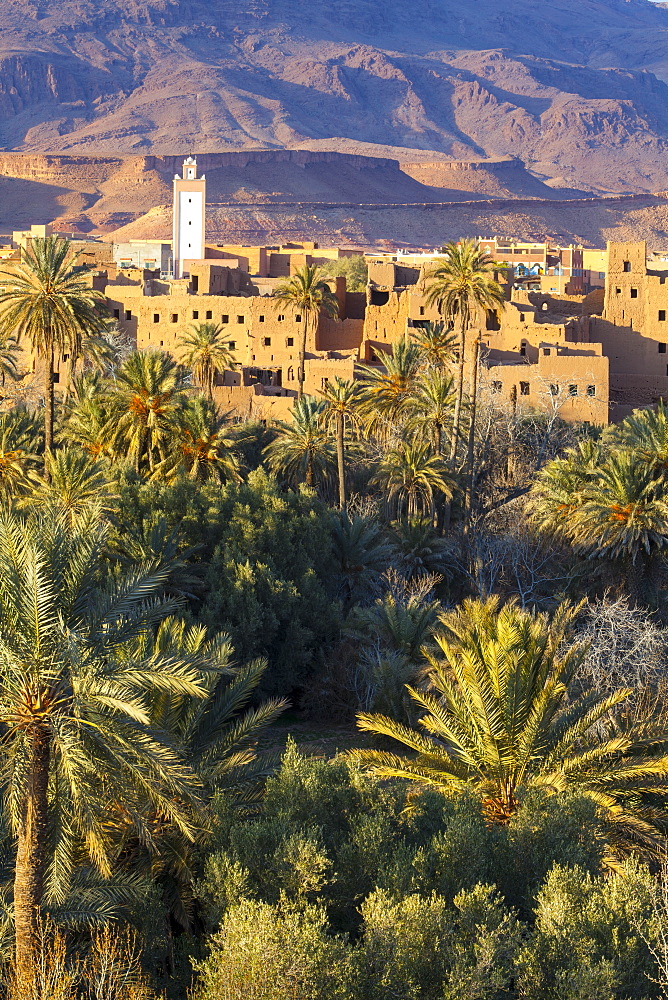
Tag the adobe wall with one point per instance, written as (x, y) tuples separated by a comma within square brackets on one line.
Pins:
[(574, 387)]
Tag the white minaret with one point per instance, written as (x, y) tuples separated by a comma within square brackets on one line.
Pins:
[(189, 218)]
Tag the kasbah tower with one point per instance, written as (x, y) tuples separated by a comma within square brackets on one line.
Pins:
[(189, 219)]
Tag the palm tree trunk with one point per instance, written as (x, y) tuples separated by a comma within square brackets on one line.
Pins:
[(48, 403), (470, 451), (301, 373), (341, 459), (309, 470), (456, 417), (31, 856)]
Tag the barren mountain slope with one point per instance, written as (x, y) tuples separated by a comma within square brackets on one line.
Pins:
[(466, 80)]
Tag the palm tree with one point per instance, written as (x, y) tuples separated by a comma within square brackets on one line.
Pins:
[(308, 295), (501, 715), (437, 344), (52, 305), (87, 419), (557, 493), (217, 734), (96, 352), (74, 709), (202, 448), (145, 407), (341, 406), (20, 444), (74, 482), (302, 451), (430, 405), (624, 517), (418, 551), (361, 554), (413, 477), (385, 393), (614, 509), (646, 433), (9, 355), (206, 352), (461, 283)]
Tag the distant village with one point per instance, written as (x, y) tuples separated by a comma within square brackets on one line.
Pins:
[(583, 334)]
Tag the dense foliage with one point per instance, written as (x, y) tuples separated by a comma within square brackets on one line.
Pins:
[(470, 598)]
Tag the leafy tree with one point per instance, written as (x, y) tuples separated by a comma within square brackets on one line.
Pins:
[(145, 406), (341, 400), (308, 295), (74, 712), (354, 269), (500, 715), (413, 477), (45, 300), (207, 354), (587, 943), (273, 952), (269, 581), (302, 451), (462, 283)]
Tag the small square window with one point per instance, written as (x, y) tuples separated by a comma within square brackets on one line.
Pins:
[(298, 318), (572, 390), (627, 265), (195, 313), (421, 310), (175, 317), (591, 390), (117, 313), (521, 317), (128, 314), (162, 343), (266, 341), (56, 377), (662, 348), (523, 351), (289, 341), (261, 319), (662, 315), (497, 386), (156, 317), (618, 291), (224, 318), (524, 388), (241, 319), (547, 351), (208, 314), (634, 293), (232, 345), (280, 318)]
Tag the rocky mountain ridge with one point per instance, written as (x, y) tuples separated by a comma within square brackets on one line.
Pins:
[(575, 91)]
